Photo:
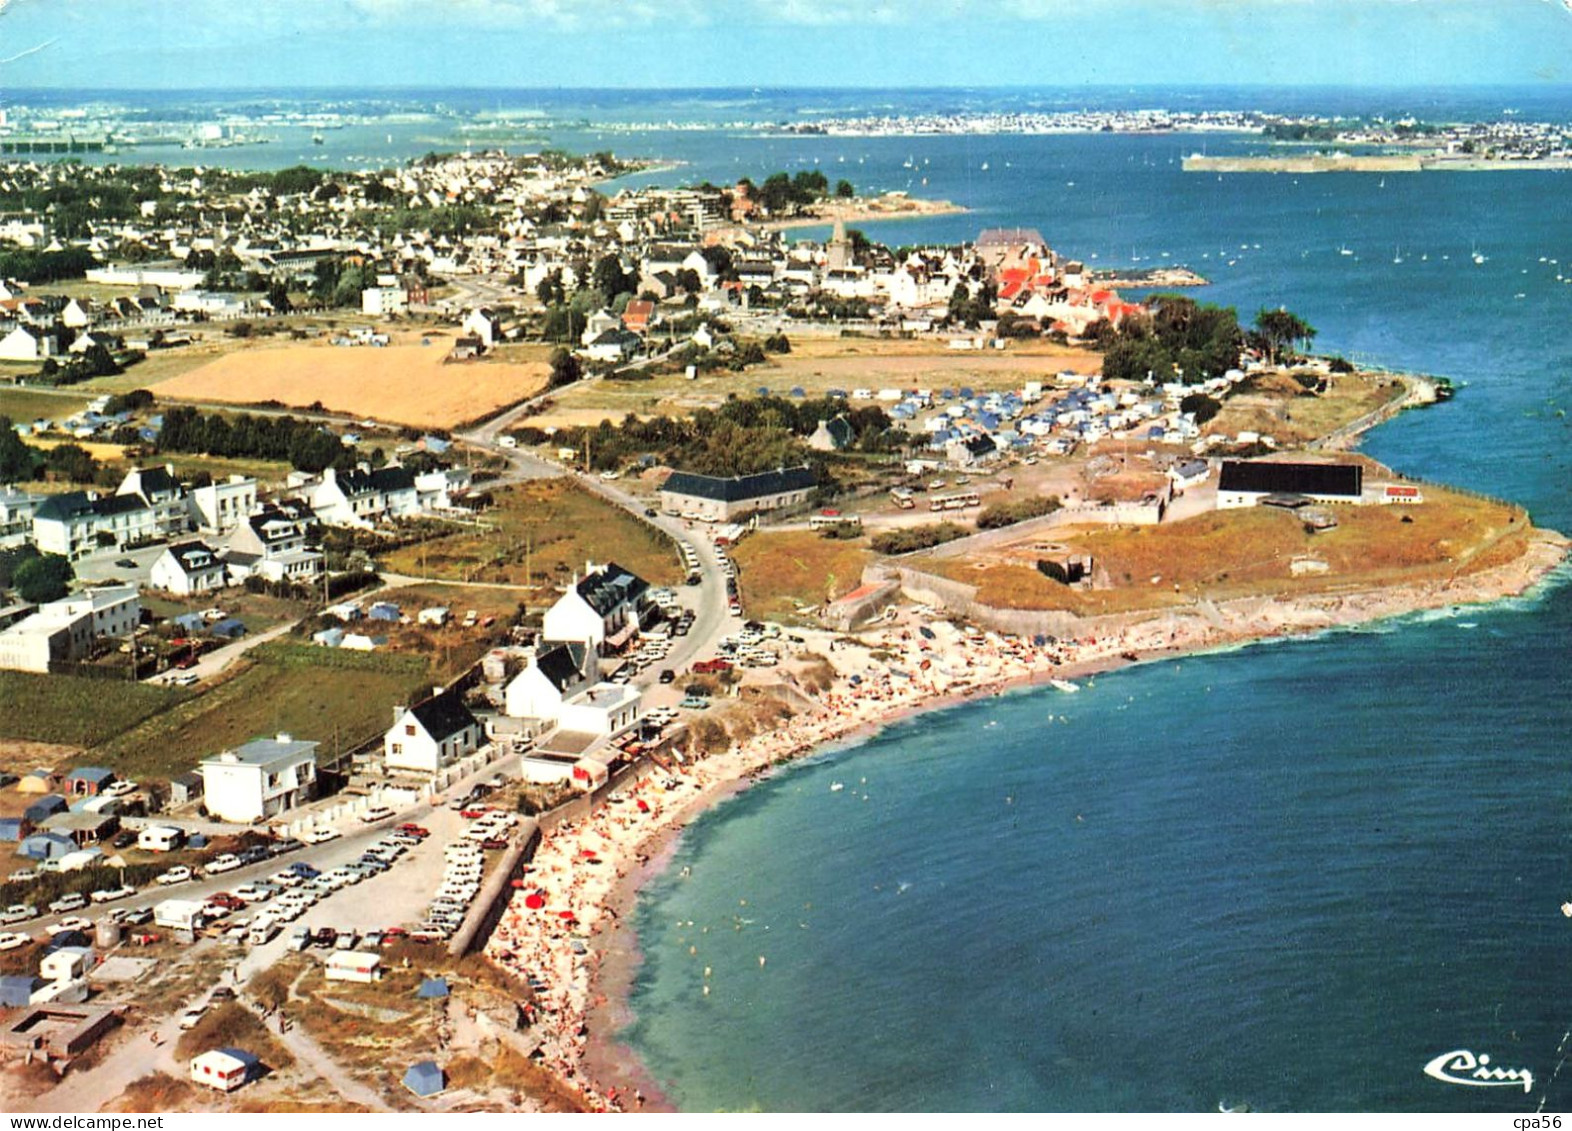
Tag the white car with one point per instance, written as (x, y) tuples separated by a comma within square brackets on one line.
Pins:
[(176, 875), (11, 940), (73, 902), (254, 893), (18, 913), (189, 1019), (70, 923), (380, 813), (109, 895), (120, 788), (285, 878), (225, 863), (320, 836)]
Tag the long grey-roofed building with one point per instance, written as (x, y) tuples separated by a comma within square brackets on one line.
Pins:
[(714, 499)]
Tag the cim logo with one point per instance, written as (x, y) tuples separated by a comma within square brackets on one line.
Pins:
[(1463, 1067)]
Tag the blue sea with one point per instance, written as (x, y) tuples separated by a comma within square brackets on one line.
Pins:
[(1287, 876)]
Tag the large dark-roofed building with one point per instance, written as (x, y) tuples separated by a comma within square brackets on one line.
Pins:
[(714, 499), (1244, 483)]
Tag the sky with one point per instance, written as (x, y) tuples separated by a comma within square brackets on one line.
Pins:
[(774, 43)]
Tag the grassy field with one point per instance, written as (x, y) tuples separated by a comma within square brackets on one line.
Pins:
[(25, 405), (406, 383), (553, 527), (1248, 552), (339, 706), (816, 365), (75, 710), (780, 570), (1280, 409)]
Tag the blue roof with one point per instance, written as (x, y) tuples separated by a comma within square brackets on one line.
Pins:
[(425, 1078), (229, 627), (98, 775), (433, 987), (250, 1060), (46, 806), (189, 621), (17, 989), (10, 828), (46, 846)]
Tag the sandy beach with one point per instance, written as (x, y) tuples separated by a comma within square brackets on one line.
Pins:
[(565, 932)]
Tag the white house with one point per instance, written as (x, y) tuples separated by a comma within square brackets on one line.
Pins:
[(75, 523), (25, 344), (160, 490), (432, 734), (361, 497), (555, 673), (380, 301), (66, 630), (482, 323), (602, 609), (605, 710), (220, 507), (271, 545), (260, 779), (186, 568)]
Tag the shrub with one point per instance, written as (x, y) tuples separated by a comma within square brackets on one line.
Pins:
[(1008, 514)]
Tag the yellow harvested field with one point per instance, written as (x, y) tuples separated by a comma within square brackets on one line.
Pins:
[(404, 383)]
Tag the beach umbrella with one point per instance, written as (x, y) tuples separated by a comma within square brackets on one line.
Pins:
[(534, 901), (589, 854), (644, 806), (565, 915)]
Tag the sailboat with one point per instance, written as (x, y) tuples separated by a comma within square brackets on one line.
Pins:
[(1397, 255)]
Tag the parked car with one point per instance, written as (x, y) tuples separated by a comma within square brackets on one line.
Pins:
[(300, 938), (109, 895), (120, 788), (18, 913), (136, 916), (11, 940), (227, 901), (378, 813), (124, 839), (228, 862), (192, 1017), (254, 893), (255, 854), (73, 902), (303, 870), (325, 936), (320, 836)]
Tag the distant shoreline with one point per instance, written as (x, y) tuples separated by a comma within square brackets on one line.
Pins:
[(1368, 163)]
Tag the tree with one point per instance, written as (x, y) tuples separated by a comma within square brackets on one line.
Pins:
[(278, 297), (1201, 407), (18, 461), (44, 578), (73, 462), (565, 368), (844, 190), (1281, 331)]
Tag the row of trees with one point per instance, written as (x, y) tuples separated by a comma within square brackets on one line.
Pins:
[(20, 461), (1181, 338), (304, 445), (741, 437), (782, 193)]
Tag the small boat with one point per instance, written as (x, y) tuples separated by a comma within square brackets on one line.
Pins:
[(836, 787), (1064, 685)]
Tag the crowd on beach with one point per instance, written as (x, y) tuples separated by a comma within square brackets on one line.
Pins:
[(571, 891)]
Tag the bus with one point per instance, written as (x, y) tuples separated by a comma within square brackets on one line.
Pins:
[(834, 520), (955, 502)]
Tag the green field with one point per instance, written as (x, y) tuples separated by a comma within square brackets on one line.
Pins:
[(76, 710), (26, 405), (548, 527), (339, 699)]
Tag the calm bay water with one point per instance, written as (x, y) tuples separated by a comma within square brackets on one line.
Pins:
[(1288, 875)]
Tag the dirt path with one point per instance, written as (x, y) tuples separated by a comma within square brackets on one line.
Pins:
[(312, 1055), (136, 1056)]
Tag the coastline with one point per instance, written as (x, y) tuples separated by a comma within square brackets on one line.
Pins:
[(609, 1072), (870, 210)]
